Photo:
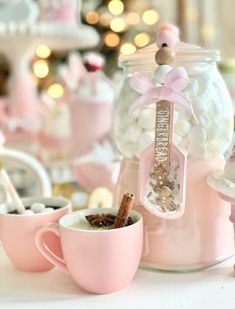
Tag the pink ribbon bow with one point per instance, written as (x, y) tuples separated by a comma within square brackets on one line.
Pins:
[(174, 82)]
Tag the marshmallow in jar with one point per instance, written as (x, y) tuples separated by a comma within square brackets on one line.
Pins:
[(206, 91)]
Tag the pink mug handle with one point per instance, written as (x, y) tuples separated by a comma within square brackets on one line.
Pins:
[(43, 248)]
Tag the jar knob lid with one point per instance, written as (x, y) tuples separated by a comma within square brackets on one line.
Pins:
[(167, 35), (167, 38), (169, 27)]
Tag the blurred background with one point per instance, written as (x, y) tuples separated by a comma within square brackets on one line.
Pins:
[(125, 26), (54, 53)]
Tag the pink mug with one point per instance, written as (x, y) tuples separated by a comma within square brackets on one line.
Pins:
[(99, 261), (17, 234)]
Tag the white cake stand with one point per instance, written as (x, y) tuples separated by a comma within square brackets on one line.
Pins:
[(18, 43)]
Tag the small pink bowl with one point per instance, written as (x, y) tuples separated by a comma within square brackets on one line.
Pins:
[(91, 175)]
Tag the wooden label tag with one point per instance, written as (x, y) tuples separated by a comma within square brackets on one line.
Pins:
[(163, 137)]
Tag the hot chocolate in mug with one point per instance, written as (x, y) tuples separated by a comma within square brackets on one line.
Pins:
[(99, 260)]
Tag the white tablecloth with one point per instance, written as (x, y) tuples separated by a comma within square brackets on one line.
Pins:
[(213, 288)]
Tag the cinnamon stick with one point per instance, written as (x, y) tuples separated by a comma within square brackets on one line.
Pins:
[(124, 210)]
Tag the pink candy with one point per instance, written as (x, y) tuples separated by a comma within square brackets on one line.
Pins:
[(169, 27), (168, 34)]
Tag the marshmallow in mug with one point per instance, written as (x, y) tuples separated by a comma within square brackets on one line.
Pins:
[(40, 208), (35, 208), (204, 140)]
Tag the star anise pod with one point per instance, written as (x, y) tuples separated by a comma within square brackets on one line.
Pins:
[(104, 220), (129, 221)]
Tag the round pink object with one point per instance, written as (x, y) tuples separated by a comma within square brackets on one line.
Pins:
[(170, 27), (166, 37)]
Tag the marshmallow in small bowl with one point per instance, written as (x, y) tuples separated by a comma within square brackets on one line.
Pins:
[(38, 208)]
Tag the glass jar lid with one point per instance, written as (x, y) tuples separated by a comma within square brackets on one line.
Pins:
[(184, 53)]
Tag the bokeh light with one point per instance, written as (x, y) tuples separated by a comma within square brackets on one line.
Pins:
[(43, 51), (141, 39), (116, 7), (55, 91), (192, 13), (133, 18), (150, 17), (127, 49), (111, 39), (40, 68), (92, 17), (118, 24), (208, 32), (105, 19)]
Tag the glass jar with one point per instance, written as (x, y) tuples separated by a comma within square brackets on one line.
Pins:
[(227, 69), (202, 236)]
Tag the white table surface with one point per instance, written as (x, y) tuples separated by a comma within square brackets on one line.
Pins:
[(213, 288)]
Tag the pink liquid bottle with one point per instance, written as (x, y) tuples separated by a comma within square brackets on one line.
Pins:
[(173, 123)]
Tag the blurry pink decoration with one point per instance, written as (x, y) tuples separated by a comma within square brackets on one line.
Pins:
[(78, 69), (4, 114), (11, 123), (46, 102), (55, 134), (21, 33), (2, 138), (73, 71), (25, 97), (97, 168), (61, 10), (93, 62), (91, 97)]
